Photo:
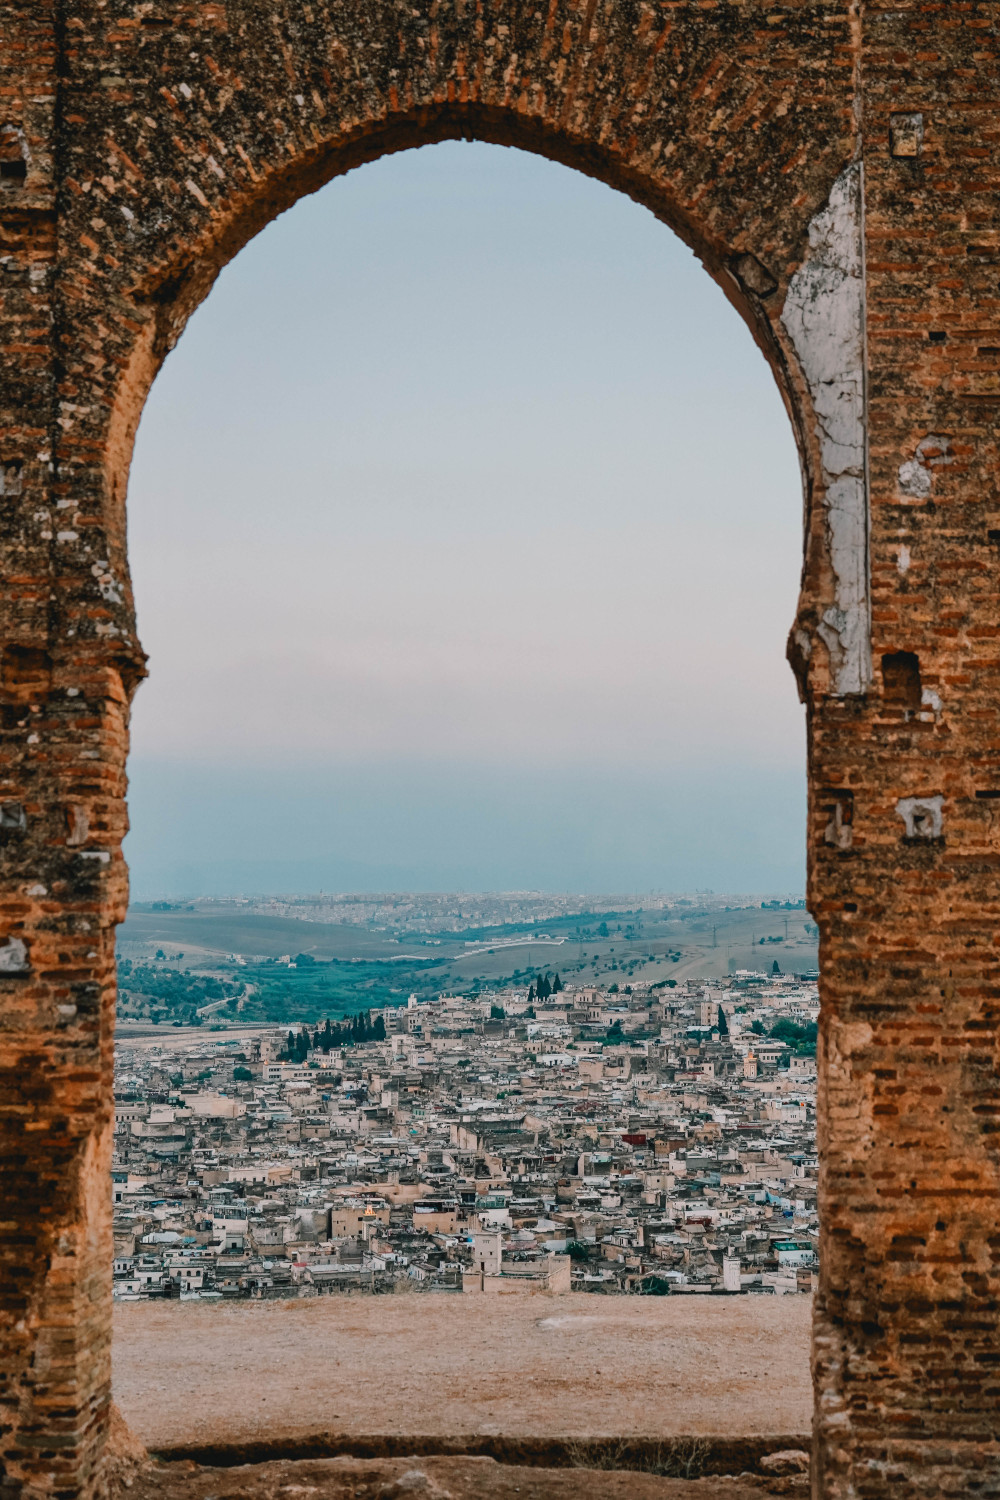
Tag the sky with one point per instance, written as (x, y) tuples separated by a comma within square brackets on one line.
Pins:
[(465, 529)]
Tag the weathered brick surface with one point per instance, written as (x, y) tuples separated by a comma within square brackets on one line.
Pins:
[(140, 147)]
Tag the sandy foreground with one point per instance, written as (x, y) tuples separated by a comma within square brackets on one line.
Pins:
[(435, 1365)]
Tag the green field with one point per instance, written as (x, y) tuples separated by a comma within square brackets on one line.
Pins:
[(344, 968)]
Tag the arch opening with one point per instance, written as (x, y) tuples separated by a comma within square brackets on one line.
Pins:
[(654, 419), (760, 563)]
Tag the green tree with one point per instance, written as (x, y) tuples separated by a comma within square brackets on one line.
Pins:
[(801, 1038)]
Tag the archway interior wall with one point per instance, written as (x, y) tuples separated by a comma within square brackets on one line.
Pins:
[(147, 147)]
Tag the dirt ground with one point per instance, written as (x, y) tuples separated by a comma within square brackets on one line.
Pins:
[(189, 1375), (431, 1479)]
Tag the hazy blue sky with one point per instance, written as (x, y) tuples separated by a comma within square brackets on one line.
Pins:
[(465, 530)]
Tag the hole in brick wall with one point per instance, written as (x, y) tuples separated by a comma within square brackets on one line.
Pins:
[(754, 276), (10, 478), (906, 134), (901, 680), (25, 668), (12, 819), (13, 166), (937, 336)]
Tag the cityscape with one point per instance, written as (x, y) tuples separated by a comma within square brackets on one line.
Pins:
[(642, 1136)]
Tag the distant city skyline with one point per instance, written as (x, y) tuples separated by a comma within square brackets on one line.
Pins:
[(465, 530)]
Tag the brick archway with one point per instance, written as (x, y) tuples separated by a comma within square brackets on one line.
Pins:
[(833, 177)]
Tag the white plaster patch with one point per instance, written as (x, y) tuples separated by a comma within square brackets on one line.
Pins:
[(109, 586), (839, 832), (77, 824), (824, 316), (916, 476), (13, 957), (914, 480), (930, 700), (903, 559), (922, 816)]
